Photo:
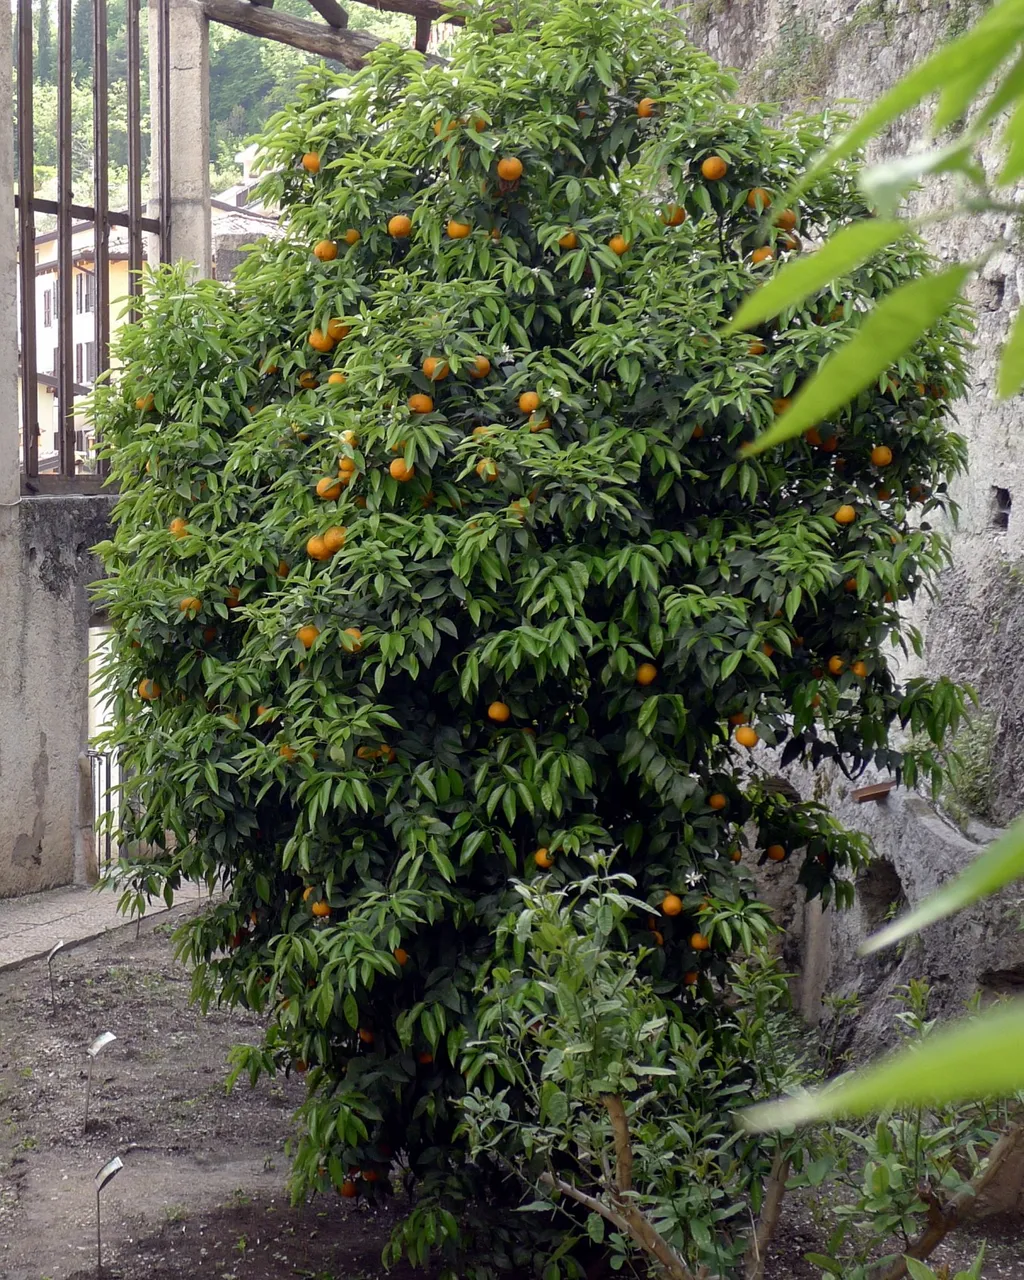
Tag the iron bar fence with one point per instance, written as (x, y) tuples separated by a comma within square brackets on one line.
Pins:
[(105, 776), (53, 300)]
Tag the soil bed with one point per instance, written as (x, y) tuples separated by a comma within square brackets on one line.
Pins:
[(203, 1188)]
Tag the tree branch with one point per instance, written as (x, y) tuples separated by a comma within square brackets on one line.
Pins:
[(623, 1148), (753, 1263), (959, 1209), (627, 1219)]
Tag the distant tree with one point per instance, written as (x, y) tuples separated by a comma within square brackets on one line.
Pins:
[(81, 41), (46, 68)]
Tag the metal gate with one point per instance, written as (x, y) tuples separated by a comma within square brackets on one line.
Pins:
[(79, 248)]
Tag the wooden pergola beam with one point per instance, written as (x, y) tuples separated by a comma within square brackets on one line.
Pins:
[(347, 47), (331, 12)]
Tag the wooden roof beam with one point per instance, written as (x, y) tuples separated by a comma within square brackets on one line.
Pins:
[(331, 12)]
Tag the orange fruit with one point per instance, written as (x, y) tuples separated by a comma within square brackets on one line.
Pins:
[(658, 937), (209, 635), (325, 250), (673, 215), (690, 977), (736, 855), (316, 548), (850, 585), (480, 367), (357, 639), (714, 168), (836, 665), (301, 1066), (146, 402), (697, 433), (846, 514), (190, 604), (786, 220), (348, 1189), (672, 905), (320, 341), (746, 737), (337, 329), (776, 852), (366, 1035), (758, 199), (334, 538), (307, 893), (419, 403), (541, 424), (481, 430), (350, 438), (790, 243), (435, 368), (307, 381), (881, 455), (618, 245), (487, 470), (458, 230), (860, 669), (401, 471), (499, 712), (287, 753), (544, 858), (646, 673), (311, 162), (813, 438), (529, 401), (510, 169), (401, 955), (424, 1059), (399, 226), (232, 597), (762, 254), (329, 488), (780, 405), (698, 942), (307, 635), (148, 690), (756, 348), (366, 753), (179, 527), (352, 236), (739, 717), (645, 108), (568, 241), (337, 378), (717, 801)]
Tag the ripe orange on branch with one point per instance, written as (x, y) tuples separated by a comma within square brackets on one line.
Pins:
[(510, 169), (714, 168)]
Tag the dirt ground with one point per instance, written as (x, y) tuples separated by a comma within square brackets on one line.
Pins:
[(202, 1193)]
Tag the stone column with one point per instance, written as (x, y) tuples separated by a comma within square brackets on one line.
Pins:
[(10, 482), (189, 126)]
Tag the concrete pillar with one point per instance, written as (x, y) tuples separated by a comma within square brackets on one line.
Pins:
[(10, 481), (189, 127)]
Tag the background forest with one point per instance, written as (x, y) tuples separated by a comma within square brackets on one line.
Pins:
[(250, 79)]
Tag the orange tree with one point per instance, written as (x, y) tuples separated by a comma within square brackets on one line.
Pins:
[(437, 560)]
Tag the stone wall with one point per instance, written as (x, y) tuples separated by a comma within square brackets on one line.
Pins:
[(46, 807), (809, 54)]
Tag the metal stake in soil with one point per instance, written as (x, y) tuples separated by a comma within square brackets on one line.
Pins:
[(99, 1043), (110, 1170), (49, 969)]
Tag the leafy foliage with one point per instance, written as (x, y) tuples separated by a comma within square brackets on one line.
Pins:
[(385, 638)]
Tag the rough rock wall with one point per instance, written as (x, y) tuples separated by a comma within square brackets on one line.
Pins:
[(45, 797), (812, 53), (809, 54)]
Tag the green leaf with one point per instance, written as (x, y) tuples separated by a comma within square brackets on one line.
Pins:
[(800, 278), (1011, 360), (1013, 139), (827, 1264), (887, 332), (885, 185), (918, 1271), (1000, 864), (974, 1059)]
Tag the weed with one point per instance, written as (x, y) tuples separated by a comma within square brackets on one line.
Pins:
[(175, 1213)]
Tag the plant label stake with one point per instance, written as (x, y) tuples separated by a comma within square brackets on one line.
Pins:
[(99, 1043), (49, 969), (110, 1170)]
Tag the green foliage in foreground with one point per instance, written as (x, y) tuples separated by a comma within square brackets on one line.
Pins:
[(366, 746)]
